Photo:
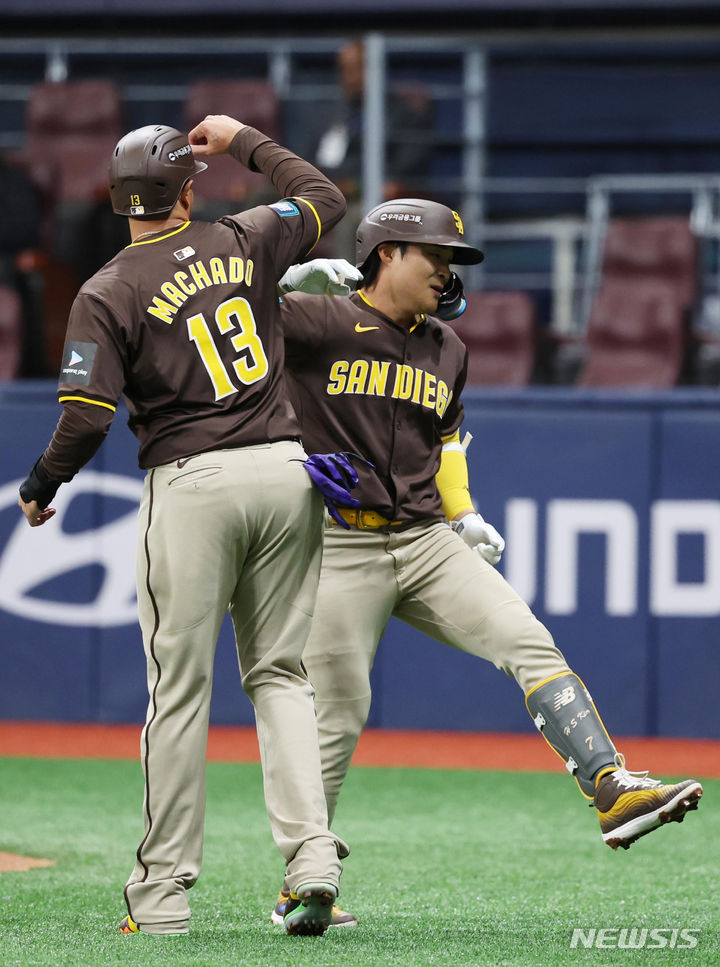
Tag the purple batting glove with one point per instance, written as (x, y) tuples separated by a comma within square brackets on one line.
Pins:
[(334, 476)]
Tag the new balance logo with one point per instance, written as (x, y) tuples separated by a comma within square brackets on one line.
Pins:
[(565, 697)]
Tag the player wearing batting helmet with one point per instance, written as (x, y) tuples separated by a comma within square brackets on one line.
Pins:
[(380, 375), (184, 323)]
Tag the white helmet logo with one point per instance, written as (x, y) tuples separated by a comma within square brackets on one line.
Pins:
[(32, 557)]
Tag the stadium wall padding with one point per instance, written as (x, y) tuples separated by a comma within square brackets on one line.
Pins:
[(610, 505)]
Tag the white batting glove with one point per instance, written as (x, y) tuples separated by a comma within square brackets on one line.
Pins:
[(480, 536), (321, 277)]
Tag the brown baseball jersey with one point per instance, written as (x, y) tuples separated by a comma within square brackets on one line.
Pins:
[(185, 324), (360, 382)]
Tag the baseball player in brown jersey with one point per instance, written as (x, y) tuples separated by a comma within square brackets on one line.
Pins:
[(184, 323), (377, 374)]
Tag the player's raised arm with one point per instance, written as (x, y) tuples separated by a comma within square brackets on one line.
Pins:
[(214, 135), (289, 174)]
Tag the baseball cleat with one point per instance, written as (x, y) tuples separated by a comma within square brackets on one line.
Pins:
[(630, 805), (309, 911), (128, 925), (340, 918)]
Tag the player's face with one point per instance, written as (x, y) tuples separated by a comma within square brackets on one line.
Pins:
[(420, 275)]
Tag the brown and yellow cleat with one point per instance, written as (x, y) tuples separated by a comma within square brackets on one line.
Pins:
[(340, 918), (309, 911), (630, 805), (128, 925)]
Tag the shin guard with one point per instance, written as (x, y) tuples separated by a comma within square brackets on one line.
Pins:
[(563, 711)]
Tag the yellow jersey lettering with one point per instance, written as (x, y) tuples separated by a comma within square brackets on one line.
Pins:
[(172, 293), (237, 269), (357, 378), (249, 272), (417, 385), (442, 398), (218, 271), (338, 377), (429, 394), (187, 287), (378, 378), (200, 275), (403, 382), (447, 402), (162, 310)]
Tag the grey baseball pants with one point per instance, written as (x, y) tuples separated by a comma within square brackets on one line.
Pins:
[(428, 577), (238, 529)]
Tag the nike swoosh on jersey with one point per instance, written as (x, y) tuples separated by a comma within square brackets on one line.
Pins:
[(359, 328)]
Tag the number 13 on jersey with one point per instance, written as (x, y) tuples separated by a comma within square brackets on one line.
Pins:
[(251, 363)]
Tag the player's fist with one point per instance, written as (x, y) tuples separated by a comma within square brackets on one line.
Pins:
[(214, 135), (321, 277), (480, 536)]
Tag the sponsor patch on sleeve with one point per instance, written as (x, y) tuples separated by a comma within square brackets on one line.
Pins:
[(285, 209), (77, 363)]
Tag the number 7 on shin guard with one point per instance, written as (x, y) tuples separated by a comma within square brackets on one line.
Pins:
[(563, 711)]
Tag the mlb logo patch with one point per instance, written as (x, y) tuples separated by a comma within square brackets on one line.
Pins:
[(285, 209), (137, 209), (184, 253)]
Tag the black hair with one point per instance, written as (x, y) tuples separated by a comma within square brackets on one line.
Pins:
[(371, 266)]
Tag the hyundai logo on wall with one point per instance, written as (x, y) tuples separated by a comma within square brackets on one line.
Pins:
[(33, 556)]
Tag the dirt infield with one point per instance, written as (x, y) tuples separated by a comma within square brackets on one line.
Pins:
[(377, 747), (14, 863)]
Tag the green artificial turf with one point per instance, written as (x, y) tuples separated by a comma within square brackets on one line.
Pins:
[(447, 868)]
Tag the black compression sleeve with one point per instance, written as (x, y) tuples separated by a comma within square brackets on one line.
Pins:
[(39, 486)]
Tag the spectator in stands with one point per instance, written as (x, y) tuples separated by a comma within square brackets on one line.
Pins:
[(21, 236), (20, 224), (339, 148)]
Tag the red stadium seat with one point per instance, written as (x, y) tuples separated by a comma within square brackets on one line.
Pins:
[(256, 104), (76, 124), (499, 330), (636, 336), (10, 333), (653, 248)]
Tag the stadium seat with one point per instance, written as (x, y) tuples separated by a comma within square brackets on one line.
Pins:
[(76, 124), (636, 336), (255, 102), (10, 333), (499, 330), (653, 248)]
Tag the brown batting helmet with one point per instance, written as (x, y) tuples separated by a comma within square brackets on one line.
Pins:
[(148, 169), (414, 220)]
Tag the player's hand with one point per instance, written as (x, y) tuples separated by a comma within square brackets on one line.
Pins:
[(35, 516), (480, 536), (321, 277), (214, 135)]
